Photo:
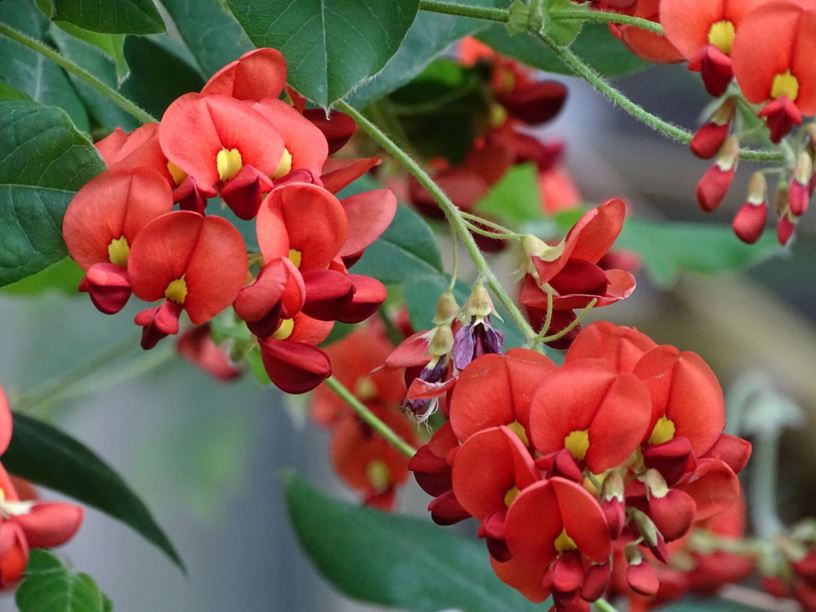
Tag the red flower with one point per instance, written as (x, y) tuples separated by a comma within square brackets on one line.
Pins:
[(101, 224), (196, 346), (586, 407), (337, 127), (193, 263), (139, 149), (768, 70), (648, 45), (620, 346), (257, 75), (224, 146)]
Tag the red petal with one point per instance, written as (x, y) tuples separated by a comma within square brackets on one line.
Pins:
[(620, 346), (685, 390), (50, 524), (108, 286), (369, 215), (256, 75), (279, 283), (302, 139), (113, 204), (413, 351), (243, 194), (533, 523), (14, 561), (749, 222), (369, 295), (195, 128), (732, 450), (207, 251), (141, 149), (714, 487), (311, 217), (338, 173), (536, 102), (110, 145), (583, 519), (196, 346), (445, 510), (648, 45), (293, 366), (642, 579), (687, 22), (713, 187), (327, 293), (528, 579), (337, 127)]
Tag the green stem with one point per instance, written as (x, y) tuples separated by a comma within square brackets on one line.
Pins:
[(669, 130), (487, 223), (764, 463), (452, 213), (606, 17), (370, 418), (564, 331), (499, 15), (46, 51), (604, 605)]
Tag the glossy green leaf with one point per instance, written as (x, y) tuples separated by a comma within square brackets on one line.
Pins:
[(429, 37), (50, 585), (29, 72), (331, 46), (46, 456), (407, 251), (46, 161), (390, 560), (157, 75), (594, 44), (211, 33), (63, 277), (515, 199), (111, 16)]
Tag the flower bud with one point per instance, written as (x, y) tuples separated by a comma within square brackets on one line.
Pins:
[(479, 305), (536, 247), (799, 190), (711, 136), (673, 513), (642, 578), (714, 185), (596, 581), (785, 229), (442, 341), (446, 309), (749, 222)]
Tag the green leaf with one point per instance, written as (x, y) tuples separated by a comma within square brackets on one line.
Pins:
[(64, 277), (46, 161), (211, 33), (595, 45), (111, 45), (406, 251), (111, 16), (28, 71), (46, 456), (515, 199), (7, 92), (331, 46), (563, 32), (157, 75), (668, 248), (395, 561), (50, 585), (429, 37)]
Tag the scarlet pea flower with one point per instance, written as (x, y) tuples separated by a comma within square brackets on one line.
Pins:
[(224, 146), (139, 149), (781, 76), (257, 75), (192, 263), (648, 45), (704, 32), (587, 408), (101, 224), (557, 536)]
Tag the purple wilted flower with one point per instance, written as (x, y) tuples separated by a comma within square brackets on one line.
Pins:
[(476, 336)]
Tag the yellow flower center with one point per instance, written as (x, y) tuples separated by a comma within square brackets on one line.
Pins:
[(118, 251), (564, 543), (511, 496), (285, 329), (785, 84), (518, 429), (176, 291), (177, 173), (229, 163), (365, 388), (663, 431), (721, 35), (577, 443), (378, 474), (284, 166), (295, 257)]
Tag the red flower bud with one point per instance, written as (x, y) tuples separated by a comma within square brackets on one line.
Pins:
[(642, 578), (710, 138), (799, 190), (749, 222), (785, 229), (673, 513), (715, 183)]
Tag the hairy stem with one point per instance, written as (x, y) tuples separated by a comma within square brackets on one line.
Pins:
[(452, 213), (606, 17), (499, 15), (370, 418), (46, 51)]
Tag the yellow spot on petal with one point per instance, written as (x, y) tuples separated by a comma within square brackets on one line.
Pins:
[(663, 431), (511, 496), (378, 474), (785, 84), (176, 291), (229, 163), (295, 257), (721, 35), (177, 173), (365, 388), (285, 329), (518, 429), (577, 443), (118, 251), (564, 543), (284, 166)]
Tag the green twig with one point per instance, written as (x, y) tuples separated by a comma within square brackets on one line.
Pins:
[(452, 213), (567, 329), (606, 17), (486, 13), (370, 418), (46, 51)]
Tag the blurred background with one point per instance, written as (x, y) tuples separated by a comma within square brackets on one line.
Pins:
[(206, 456)]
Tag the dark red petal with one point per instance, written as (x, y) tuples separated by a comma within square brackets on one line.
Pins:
[(327, 293), (244, 193), (338, 173), (108, 286), (446, 510), (708, 139), (293, 366), (536, 102), (369, 295), (337, 127)]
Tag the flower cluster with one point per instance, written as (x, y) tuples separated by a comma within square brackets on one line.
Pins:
[(362, 459), (790, 569), (268, 161), (758, 59), (26, 522), (622, 446)]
